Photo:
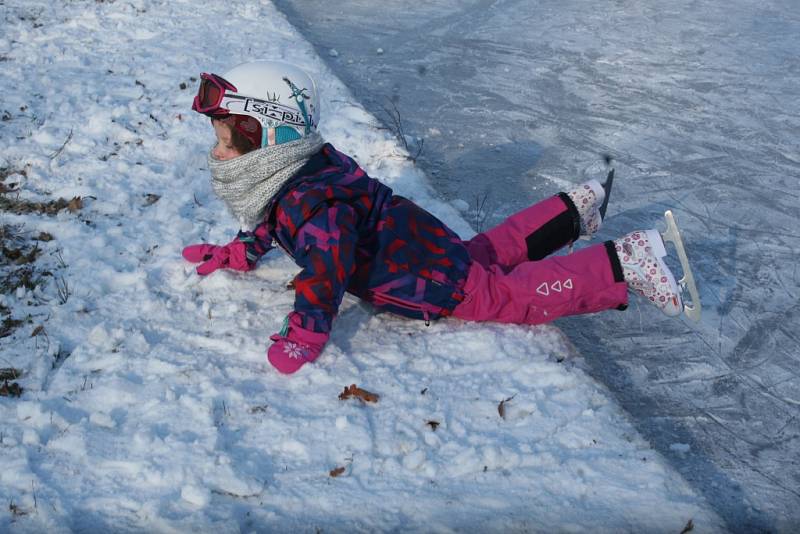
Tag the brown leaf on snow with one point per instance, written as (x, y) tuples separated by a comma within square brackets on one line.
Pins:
[(337, 471), (12, 254), (688, 528), (20, 256), (361, 394), (501, 408), (76, 204), (10, 390)]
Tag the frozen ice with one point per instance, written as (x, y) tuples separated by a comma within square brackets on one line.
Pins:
[(697, 104)]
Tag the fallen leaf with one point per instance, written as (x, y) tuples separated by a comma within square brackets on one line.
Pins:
[(337, 471), (10, 390), (38, 330), (501, 408), (433, 424), (21, 257), (76, 204), (361, 394), (688, 528), (12, 254), (44, 236)]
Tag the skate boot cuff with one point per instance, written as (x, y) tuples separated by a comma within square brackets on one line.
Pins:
[(587, 199)]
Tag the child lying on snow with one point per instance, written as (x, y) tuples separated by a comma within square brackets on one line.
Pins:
[(348, 232)]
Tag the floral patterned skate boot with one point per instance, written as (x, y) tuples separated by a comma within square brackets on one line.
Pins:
[(588, 198), (645, 273)]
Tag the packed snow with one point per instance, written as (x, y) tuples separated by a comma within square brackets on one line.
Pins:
[(147, 401)]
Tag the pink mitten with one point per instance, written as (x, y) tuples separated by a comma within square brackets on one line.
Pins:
[(231, 256), (295, 347)]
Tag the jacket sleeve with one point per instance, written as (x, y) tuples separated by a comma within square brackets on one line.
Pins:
[(324, 247), (257, 242)]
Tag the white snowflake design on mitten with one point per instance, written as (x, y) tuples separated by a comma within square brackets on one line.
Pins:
[(294, 350)]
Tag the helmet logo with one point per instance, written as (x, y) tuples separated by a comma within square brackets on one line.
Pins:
[(297, 94), (300, 96), (276, 112)]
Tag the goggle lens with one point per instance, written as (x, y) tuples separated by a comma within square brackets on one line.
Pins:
[(209, 95)]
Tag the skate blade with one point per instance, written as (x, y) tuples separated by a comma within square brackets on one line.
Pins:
[(673, 235), (607, 187)]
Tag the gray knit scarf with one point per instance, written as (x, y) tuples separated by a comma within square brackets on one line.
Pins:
[(247, 183)]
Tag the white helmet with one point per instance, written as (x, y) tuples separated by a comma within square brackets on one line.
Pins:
[(280, 96)]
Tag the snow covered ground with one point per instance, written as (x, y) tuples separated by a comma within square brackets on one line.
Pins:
[(698, 103), (147, 402)]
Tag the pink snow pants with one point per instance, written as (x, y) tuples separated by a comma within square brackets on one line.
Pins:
[(511, 279)]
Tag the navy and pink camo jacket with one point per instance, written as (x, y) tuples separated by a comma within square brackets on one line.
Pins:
[(348, 232)]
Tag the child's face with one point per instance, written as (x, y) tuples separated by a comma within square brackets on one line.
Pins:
[(224, 149)]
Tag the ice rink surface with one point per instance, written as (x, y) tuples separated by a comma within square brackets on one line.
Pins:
[(698, 104)]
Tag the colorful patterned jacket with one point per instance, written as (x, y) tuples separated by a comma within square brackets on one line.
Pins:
[(348, 232)]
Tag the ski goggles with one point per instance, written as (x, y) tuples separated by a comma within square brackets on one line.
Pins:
[(210, 95), (218, 97)]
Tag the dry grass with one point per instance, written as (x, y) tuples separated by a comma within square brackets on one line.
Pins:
[(21, 206), (20, 250)]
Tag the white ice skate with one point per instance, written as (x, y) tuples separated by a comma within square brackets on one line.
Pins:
[(640, 254)]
